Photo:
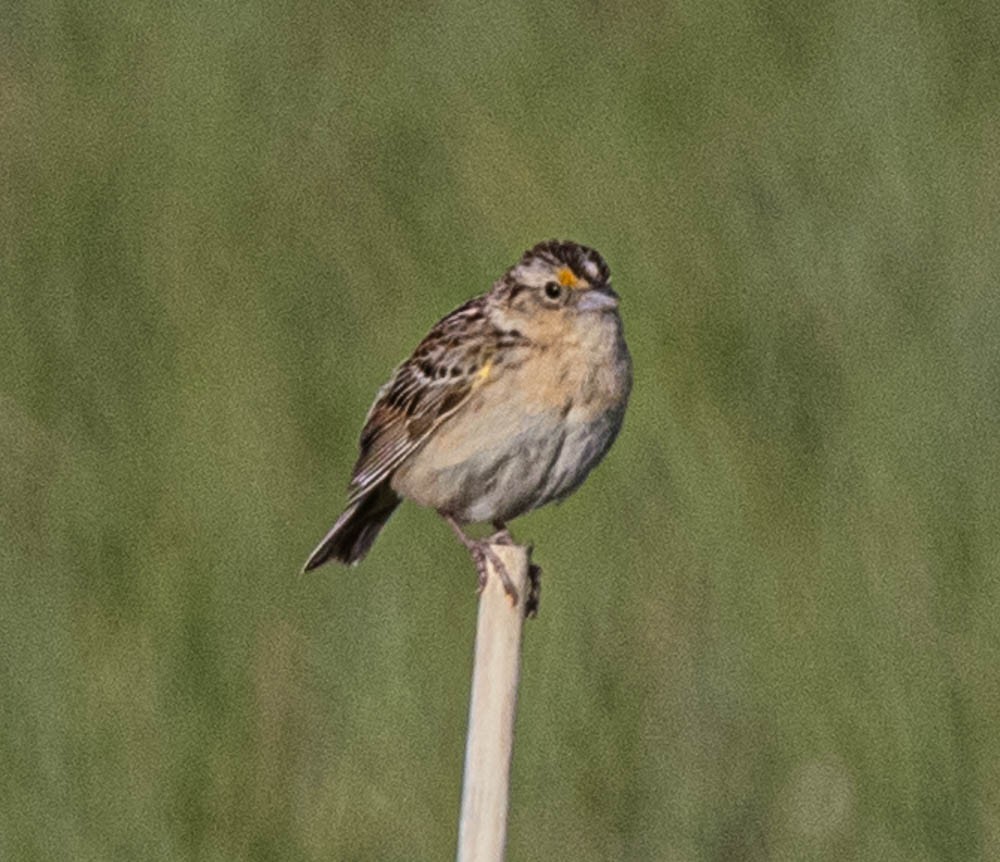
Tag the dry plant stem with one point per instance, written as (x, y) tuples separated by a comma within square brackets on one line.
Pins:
[(482, 829)]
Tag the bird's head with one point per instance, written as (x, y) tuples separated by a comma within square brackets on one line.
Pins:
[(555, 281)]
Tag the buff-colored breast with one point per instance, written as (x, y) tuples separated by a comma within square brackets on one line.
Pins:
[(532, 429)]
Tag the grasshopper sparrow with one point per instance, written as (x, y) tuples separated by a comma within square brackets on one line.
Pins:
[(506, 405)]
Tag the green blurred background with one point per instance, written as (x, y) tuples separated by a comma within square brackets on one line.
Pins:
[(769, 625)]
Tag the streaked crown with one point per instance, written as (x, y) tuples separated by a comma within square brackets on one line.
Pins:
[(573, 265)]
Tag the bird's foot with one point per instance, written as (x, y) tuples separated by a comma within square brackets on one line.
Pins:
[(534, 597), (484, 556), (502, 535)]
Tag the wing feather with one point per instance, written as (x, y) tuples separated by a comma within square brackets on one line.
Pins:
[(423, 392)]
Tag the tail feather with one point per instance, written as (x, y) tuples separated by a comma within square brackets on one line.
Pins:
[(352, 536)]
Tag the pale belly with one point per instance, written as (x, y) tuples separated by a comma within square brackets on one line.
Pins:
[(519, 466)]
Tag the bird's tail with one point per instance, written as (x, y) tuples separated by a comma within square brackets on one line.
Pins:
[(351, 537)]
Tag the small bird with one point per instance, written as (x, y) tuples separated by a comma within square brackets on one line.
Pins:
[(506, 405)]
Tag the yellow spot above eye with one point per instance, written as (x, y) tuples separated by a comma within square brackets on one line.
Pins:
[(567, 278), (484, 372)]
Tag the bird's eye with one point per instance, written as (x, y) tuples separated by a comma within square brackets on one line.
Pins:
[(553, 290)]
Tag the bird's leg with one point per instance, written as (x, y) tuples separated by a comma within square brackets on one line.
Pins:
[(502, 535), (480, 551)]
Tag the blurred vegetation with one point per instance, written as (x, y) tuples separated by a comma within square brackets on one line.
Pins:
[(769, 623)]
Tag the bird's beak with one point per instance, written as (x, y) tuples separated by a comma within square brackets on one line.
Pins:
[(598, 299)]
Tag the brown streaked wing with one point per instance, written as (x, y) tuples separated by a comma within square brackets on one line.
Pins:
[(422, 393)]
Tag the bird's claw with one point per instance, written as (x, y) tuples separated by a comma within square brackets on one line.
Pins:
[(483, 557), (534, 597), (502, 536)]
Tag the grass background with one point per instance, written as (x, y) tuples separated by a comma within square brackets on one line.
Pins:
[(769, 621)]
